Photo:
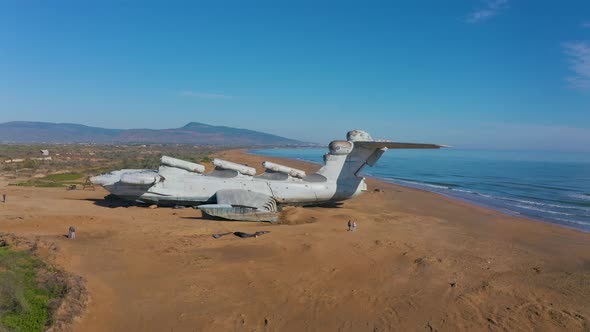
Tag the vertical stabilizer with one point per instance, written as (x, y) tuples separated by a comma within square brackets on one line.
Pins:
[(346, 158)]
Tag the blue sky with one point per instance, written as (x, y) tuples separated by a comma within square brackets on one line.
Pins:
[(492, 74)]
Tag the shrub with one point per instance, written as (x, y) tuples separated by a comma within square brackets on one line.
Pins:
[(23, 298)]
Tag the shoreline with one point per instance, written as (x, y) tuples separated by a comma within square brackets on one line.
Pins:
[(508, 213), (418, 260), (373, 182)]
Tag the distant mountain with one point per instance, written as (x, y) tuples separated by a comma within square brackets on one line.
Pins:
[(192, 133)]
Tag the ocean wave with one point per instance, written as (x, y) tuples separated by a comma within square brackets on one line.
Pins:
[(569, 207), (420, 184), (484, 195), (542, 210), (472, 193), (584, 196), (531, 193), (578, 222), (445, 185), (520, 203), (465, 191), (540, 186)]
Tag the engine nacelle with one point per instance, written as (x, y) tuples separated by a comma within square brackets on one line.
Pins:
[(283, 169), (359, 136), (340, 147)]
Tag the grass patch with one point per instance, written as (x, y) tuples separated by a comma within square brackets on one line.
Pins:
[(27, 289), (42, 184), (64, 177), (53, 180)]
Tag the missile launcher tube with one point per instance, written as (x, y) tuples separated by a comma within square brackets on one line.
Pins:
[(243, 169), (283, 169), (185, 165)]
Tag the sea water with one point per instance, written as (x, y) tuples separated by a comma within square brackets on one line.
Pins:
[(547, 186)]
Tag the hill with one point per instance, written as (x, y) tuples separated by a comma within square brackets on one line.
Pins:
[(192, 133)]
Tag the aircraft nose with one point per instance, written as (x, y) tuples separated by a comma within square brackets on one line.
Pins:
[(99, 180), (104, 179)]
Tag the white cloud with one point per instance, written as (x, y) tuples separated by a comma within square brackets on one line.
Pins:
[(579, 59), (490, 8), (205, 95)]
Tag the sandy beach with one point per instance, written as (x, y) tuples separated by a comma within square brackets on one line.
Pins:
[(417, 262)]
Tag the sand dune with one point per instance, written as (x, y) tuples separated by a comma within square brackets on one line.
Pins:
[(418, 261)]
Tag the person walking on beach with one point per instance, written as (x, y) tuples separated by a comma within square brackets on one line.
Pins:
[(349, 225), (354, 226)]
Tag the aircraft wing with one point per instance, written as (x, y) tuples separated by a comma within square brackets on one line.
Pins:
[(397, 145), (245, 198)]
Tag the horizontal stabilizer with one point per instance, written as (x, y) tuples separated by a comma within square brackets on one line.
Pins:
[(397, 145)]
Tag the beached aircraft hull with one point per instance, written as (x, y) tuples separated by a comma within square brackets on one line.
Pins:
[(233, 191)]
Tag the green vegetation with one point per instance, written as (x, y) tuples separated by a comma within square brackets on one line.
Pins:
[(76, 161), (64, 177), (29, 164), (27, 290), (53, 180), (42, 184)]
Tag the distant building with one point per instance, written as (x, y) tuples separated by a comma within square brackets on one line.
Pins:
[(45, 153)]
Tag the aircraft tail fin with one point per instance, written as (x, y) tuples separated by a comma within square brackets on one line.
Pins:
[(347, 158)]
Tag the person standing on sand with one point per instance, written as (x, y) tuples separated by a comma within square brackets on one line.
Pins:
[(349, 225), (354, 226)]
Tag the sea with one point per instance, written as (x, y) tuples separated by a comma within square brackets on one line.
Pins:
[(546, 186)]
